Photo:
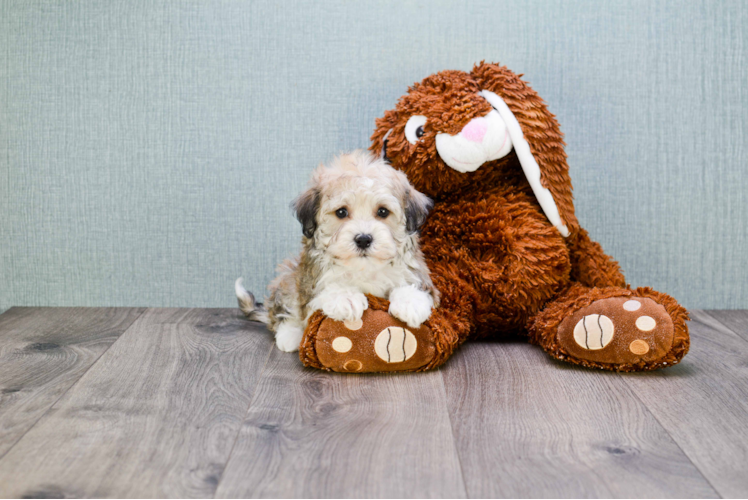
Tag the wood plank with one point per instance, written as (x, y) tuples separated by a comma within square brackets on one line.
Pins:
[(528, 426), (316, 434), (703, 403), (156, 416), (43, 352), (735, 320)]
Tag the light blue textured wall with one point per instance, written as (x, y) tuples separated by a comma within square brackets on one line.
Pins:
[(149, 150)]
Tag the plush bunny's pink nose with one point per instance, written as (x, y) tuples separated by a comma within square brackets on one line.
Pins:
[(475, 130)]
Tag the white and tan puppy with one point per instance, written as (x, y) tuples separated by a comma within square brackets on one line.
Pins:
[(360, 219)]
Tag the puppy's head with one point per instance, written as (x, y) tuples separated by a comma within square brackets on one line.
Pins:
[(358, 207)]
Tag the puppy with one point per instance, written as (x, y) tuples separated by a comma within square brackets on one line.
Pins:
[(360, 220)]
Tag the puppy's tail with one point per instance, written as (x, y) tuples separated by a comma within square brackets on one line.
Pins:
[(248, 304)]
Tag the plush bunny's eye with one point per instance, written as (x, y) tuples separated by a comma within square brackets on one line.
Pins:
[(414, 129)]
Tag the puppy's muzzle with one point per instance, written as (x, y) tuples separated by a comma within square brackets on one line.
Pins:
[(363, 241)]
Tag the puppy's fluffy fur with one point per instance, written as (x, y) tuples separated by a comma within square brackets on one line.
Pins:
[(356, 200)]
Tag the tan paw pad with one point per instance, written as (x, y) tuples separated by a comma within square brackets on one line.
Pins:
[(395, 344), (639, 347), (632, 305), (354, 324), (352, 365), (645, 323), (342, 344), (594, 331)]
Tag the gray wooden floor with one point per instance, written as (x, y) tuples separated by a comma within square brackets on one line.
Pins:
[(198, 403)]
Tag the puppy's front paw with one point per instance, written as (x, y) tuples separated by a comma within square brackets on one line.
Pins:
[(288, 337), (410, 305), (345, 306)]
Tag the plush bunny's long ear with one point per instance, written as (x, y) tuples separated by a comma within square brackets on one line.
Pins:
[(537, 141), (527, 160)]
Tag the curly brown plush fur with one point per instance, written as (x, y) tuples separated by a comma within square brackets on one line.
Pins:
[(499, 264)]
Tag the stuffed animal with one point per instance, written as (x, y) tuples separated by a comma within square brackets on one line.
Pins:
[(503, 245)]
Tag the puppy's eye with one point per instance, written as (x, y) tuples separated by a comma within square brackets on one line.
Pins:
[(342, 213), (414, 129), (383, 212)]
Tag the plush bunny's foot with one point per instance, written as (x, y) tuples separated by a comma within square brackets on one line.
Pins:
[(614, 328), (618, 330), (378, 342), (375, 343)]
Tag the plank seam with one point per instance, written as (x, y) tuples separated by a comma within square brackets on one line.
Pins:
[(41, 417), (244, 418), (715, 318), (451, 428), (675, 441)]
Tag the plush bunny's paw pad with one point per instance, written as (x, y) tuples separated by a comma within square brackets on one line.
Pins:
[(375, 343), (618, 330)]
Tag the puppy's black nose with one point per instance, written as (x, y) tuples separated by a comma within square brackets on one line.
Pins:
[(363, 241)]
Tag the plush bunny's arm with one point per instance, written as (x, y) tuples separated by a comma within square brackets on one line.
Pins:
[(590, 265)]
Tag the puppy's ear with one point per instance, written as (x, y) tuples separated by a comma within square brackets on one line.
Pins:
[(306, 207), (417, 207)]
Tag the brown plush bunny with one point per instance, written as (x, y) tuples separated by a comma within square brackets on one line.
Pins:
[(502, 242)]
